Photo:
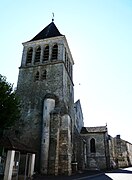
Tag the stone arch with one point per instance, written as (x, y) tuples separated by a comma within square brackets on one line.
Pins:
[(46, 53), (92, 146), (52, 96), (54, 52), (29, 55), (37, 54), (36, 78), (44, 75)]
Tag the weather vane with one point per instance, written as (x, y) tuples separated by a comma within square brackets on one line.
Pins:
[(52, 17)]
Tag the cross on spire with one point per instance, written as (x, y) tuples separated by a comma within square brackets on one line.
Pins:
[(52, 17)]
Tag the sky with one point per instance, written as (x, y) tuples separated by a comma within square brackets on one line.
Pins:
[(99, 34)]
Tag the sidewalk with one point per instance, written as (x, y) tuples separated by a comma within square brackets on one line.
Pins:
[(79, 176)]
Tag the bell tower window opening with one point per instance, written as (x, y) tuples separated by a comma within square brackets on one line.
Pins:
[(37, 54), (92, 146), (67, 62), (65, 54), (70, 69), (37, 76), (44, 75), (54, 52), (46, 53), (29, 55), (68, 66)]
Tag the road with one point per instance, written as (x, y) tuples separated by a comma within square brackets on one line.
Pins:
[(121, 174)]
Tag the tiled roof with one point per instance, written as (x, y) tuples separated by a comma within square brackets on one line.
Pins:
[(48, 32), (96, 129)]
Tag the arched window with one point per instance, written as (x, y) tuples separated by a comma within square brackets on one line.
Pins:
[(37, 54), (54, 52), (46, 53), (65, 54), (44, 75), (37, 76), (92, 146), (71, 70), (29, 55), (67, 62)]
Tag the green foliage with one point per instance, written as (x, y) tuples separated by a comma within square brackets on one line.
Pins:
[(9, 104)]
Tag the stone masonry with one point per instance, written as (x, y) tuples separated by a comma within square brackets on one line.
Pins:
[(45, 89), (51, 124)]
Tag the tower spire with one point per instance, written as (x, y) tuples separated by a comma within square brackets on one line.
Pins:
[(52, 17)]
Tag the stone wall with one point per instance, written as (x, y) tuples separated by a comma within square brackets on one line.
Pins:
[(53, 155), (79, 161), (99, 159), (65, 146), (32, 91), (78, 116), (122, 152)]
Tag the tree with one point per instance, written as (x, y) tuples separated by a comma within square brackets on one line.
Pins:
[(9, 104)]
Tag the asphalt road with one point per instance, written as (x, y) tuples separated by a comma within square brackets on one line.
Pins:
[(120, 174)]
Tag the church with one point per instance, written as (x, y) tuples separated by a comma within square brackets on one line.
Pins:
[(51, 123), (49, 117)]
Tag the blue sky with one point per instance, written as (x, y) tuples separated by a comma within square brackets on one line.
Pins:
[(99, 36)]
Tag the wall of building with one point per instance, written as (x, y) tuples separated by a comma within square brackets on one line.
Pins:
[(123, 152), (78, 116), (97, 159), (58, 86), (120, 152), (129, 151)]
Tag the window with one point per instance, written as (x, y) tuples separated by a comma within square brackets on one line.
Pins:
[(37, 54), (70, 70), (44, 75), (29, 55), (67, 62), (92, 146), (68, 66), (65, 54), (37, 76), (54, 52), (46, 53)]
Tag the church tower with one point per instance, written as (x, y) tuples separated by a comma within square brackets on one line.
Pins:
[(45, 88)]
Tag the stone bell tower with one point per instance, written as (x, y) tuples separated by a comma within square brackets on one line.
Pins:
[(45, 88)]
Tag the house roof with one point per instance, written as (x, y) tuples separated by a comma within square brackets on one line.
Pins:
[(97, 129), (12, 144), (48, 32)]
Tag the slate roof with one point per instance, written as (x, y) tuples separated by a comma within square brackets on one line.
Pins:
[(48, 32), (97, 129)]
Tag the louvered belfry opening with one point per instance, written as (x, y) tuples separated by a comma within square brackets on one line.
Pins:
[(46, 53), (37, 54), (29, 55), (54, 52)]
